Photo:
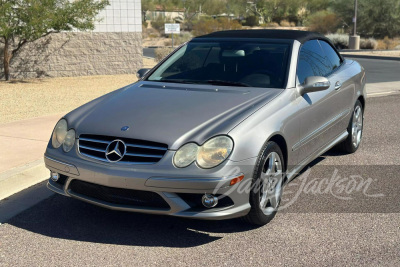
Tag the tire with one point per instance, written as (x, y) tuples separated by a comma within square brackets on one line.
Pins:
[(355, 130), (267, 185)]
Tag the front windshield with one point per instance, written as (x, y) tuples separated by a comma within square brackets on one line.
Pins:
[(230, 63)]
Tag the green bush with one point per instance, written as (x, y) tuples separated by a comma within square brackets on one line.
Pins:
[(323, 22), (251, 21), (161, 53), (159, 24), (341, 41)]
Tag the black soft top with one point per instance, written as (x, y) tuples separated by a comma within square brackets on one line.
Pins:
[(301, 36)]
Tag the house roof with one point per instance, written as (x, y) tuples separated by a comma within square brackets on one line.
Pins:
[(301, 36)]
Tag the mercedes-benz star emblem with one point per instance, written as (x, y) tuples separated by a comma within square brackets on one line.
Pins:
[(115, 150)]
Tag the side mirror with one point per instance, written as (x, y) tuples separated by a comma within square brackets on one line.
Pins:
[(140, 73), (314, 84)]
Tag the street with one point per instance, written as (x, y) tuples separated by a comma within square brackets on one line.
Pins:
[(353, 221)]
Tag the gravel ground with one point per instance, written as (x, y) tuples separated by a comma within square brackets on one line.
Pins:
[(24, 99)]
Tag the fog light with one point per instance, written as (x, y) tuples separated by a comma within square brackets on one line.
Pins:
[(54, 176), (209, 201)]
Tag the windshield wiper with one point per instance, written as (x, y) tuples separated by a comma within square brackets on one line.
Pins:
[(213, 82), (220, 82), (174, 81)]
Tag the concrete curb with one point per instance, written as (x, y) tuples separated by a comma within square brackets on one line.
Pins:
[(20, 178), (371, 57)]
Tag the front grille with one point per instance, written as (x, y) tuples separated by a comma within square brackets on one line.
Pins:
[(137, 151), (119, 196)]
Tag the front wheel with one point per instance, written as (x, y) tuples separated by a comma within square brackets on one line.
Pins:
[(355, 130), (266, 190)]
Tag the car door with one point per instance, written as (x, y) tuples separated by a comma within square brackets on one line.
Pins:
[(343, 94), (319, 110)]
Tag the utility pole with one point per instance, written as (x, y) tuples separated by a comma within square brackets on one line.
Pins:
[(355, 17), (354, 41)]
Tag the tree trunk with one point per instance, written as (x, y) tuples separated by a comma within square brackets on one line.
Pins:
[(6, 60)]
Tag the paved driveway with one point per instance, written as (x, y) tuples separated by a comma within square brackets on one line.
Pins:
[(344, 210)]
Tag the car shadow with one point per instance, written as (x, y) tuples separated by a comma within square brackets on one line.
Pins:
[(67, 218), (71, 219)]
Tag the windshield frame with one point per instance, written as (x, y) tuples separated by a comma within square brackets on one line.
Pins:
[(288, 42)]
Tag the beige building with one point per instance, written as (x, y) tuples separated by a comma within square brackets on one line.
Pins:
[(114, 47)]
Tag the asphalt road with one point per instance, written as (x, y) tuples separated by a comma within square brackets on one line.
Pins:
[(353, 220), (377, 70), (149, 52)]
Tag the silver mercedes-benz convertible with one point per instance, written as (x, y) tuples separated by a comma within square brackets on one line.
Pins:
[(215, 130)]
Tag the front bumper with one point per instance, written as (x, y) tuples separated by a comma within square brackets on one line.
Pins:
[(177, 187)]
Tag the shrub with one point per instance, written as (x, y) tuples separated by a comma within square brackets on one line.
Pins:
[(208, 25), (387, 43), (323, 22), (251, 21), (369, 43), (270, 25), (284, 23), (150, 33), (158, 24), (179, 39), (397, 47), (161, 53), (341, 41)]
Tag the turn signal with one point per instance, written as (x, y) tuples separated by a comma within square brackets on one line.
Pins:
[(237, 180)]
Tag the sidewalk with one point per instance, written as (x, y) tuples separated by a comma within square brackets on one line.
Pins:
[(21, 159)]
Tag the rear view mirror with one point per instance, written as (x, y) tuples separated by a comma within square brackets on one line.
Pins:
[(233, 53), (140, 73), (314, 84)]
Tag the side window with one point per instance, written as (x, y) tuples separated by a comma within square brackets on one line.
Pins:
[(331, 54), (312, 61)]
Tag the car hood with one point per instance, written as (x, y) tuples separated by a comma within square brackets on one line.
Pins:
[(169, 113)]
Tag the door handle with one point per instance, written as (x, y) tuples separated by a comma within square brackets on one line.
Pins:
[(338, 85)]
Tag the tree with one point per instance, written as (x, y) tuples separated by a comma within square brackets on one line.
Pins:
[(376, 18), (146, 6), (323, 22), (25, 21)]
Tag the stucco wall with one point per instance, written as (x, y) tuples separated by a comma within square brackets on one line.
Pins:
[(79, 54)]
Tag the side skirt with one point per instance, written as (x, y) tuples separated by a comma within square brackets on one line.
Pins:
[(296, 170)]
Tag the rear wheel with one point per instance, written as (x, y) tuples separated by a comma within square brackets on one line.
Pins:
[(355, 129), (266, 191)]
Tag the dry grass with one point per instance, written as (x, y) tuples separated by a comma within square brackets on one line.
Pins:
[(24, 99), (148, 62)]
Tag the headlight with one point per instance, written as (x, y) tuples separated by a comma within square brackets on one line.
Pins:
[(214, 151), (210, 154), (59, 133), (185, 155), (69, 140)]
